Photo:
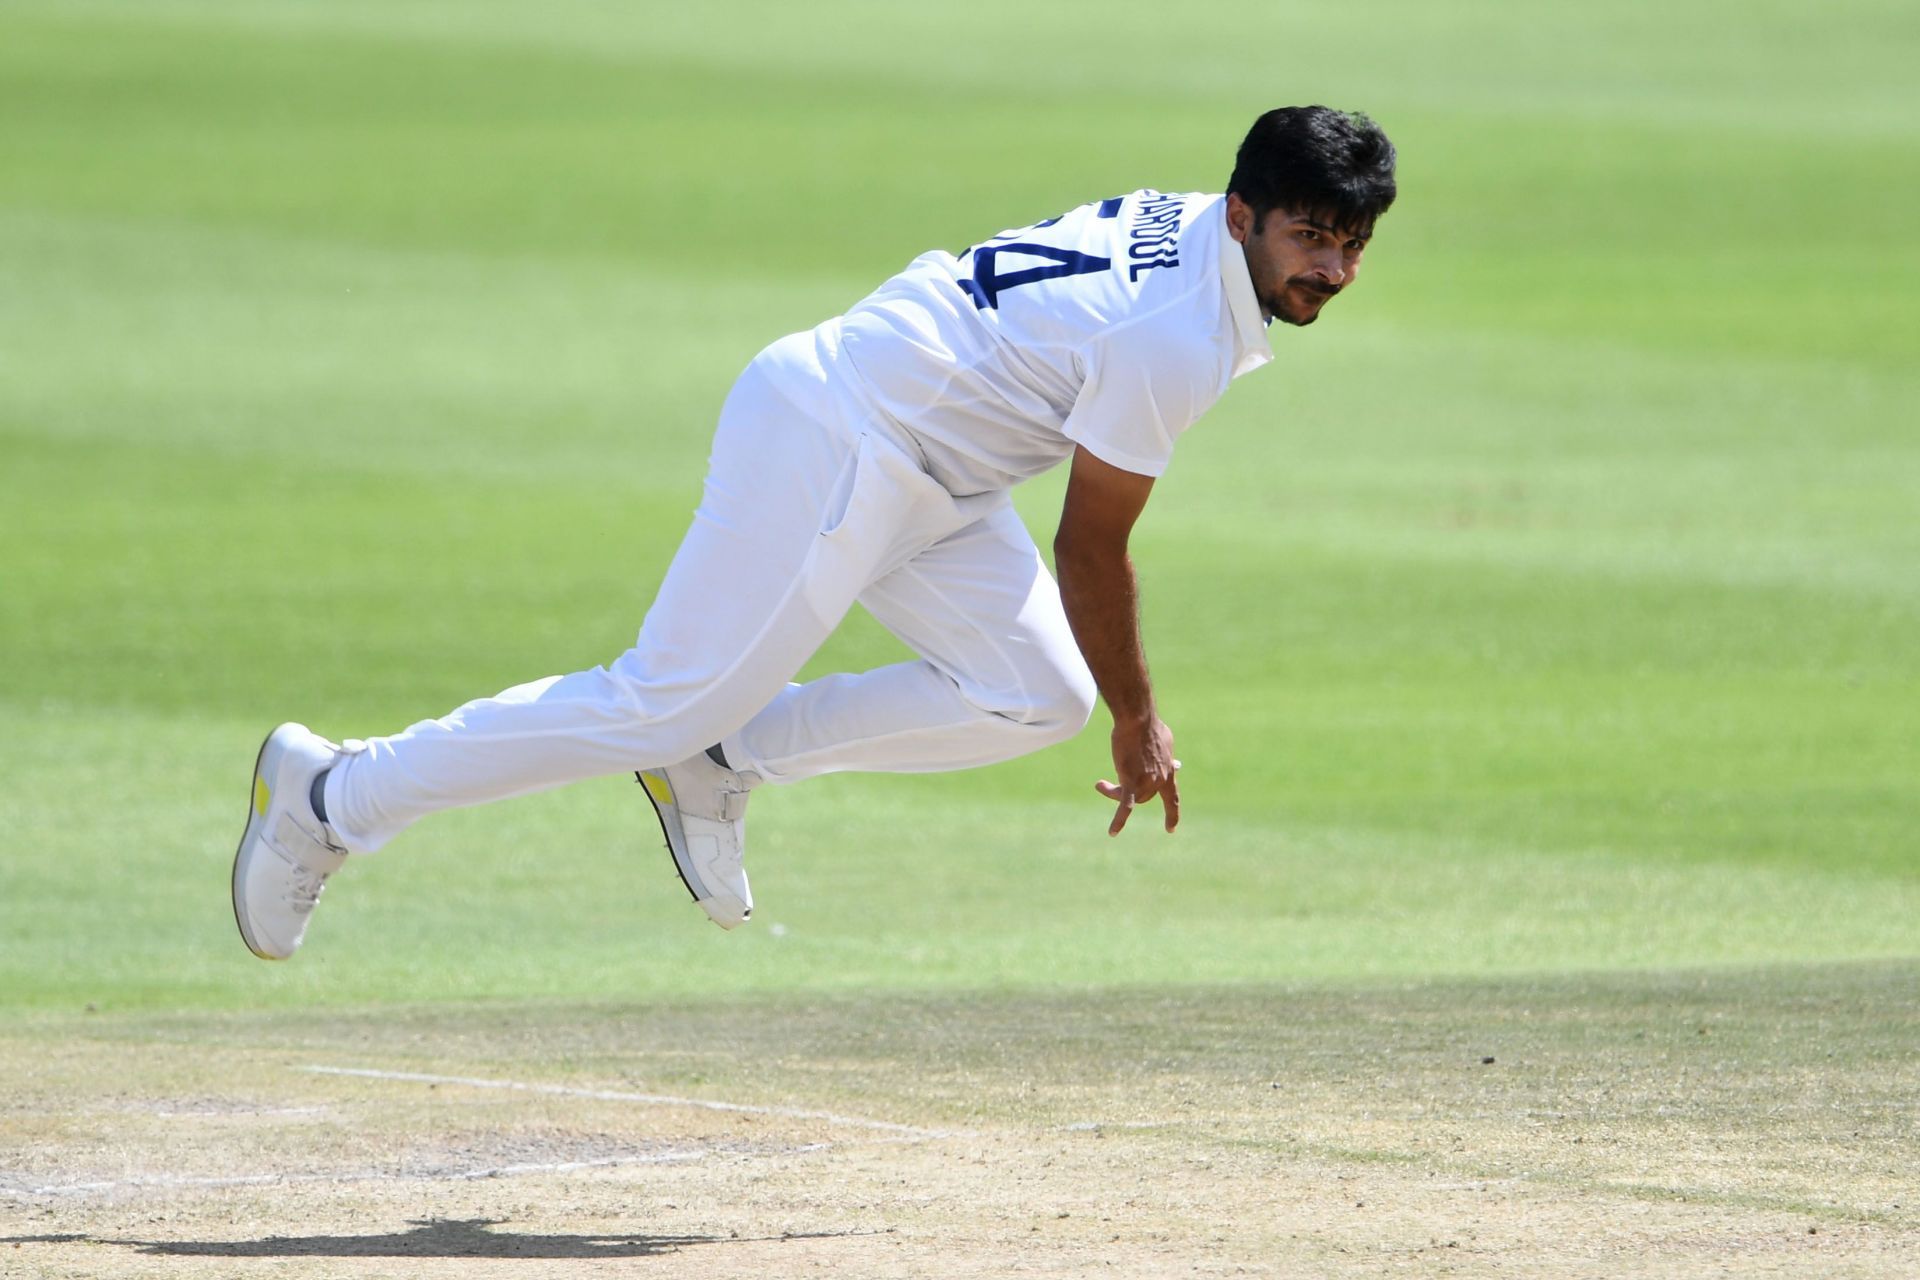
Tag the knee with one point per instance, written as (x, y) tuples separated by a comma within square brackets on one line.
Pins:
[(1064, 704)]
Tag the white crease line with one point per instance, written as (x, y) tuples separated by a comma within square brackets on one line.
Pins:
[(462, 1175), (650, 1099)]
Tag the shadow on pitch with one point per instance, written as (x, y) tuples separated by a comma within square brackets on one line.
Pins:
[(432, 1238)]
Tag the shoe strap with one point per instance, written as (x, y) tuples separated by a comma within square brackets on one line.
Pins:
[(312, 849), (732, 805)]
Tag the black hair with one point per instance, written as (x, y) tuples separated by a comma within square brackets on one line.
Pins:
[(1334, 165)]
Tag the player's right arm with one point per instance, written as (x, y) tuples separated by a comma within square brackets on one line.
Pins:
[(1102, 599)]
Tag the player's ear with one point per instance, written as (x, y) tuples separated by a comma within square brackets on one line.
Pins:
[(1239, 217)]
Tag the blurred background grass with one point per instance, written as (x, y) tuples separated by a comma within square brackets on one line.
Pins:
[(1552, 606)]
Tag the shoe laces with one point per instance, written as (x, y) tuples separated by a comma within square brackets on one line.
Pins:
[(304, 888)]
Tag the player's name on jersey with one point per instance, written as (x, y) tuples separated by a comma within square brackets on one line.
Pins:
[(1152, 240)]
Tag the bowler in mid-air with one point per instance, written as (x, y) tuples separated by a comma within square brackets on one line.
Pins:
[(870, 460)]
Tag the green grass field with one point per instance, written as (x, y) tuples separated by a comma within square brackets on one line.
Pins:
[(1546, 619)]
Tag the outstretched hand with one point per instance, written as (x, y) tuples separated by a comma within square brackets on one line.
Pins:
[(1143, 759)]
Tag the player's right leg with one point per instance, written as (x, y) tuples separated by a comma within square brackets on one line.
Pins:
[(800, 512)]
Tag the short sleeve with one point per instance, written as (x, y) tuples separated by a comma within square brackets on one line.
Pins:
[(1144, 386)]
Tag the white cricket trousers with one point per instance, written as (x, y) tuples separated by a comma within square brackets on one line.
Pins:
[(809, 506)]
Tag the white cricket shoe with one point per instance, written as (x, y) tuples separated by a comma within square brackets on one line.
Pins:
[(703, 813), (287, 853)]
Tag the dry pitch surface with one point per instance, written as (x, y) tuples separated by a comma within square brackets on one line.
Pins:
[(1747, 1124)]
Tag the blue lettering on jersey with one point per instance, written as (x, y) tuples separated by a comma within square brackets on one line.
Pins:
[(1150, 241), (988, 281)]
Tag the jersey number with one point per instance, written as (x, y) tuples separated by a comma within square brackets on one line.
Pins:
[(985, 286)]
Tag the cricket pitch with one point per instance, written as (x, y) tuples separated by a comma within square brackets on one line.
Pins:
[(1754, 1123)]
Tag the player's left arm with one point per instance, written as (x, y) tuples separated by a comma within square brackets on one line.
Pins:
[(1102, 599)]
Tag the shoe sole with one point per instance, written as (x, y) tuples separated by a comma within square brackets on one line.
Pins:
[(666, 831), (253, 816), (688, 877)]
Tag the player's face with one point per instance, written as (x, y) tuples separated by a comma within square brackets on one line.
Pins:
[(1297, 260)]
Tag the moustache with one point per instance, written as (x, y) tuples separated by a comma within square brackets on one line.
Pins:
[(1315, 286)]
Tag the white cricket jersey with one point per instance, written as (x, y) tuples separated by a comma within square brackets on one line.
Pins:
[(1113, 326)]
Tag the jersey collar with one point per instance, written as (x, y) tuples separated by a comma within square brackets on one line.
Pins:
[(1251, 348)]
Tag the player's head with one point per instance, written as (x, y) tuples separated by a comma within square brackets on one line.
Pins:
[(1308, 185)]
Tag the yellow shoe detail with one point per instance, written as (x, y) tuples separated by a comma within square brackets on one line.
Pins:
[(260, 796), (657, 788)]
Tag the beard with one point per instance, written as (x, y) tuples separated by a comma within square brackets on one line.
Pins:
[(1299, 317)]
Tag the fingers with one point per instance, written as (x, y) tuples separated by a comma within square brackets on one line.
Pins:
[(1122, 797), (1168, 791)]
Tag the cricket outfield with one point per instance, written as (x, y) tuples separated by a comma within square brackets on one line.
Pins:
[(1539, 634)]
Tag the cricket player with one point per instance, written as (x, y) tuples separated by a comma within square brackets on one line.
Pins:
[(870, 460)]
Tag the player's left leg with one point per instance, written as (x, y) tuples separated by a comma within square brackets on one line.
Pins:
[(1000, 674)]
